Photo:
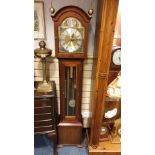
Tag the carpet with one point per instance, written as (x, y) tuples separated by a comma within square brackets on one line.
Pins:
[(72, 150), (44, 146)]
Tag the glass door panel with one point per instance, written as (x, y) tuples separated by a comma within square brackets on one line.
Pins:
[(70, 90)]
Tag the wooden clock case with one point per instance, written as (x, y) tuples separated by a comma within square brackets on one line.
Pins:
[(58, 18), (70, 127)]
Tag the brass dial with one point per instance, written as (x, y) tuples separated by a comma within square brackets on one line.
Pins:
[(71, 35), (71, 39)]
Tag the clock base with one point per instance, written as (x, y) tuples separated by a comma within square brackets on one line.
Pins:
[(69, 133)]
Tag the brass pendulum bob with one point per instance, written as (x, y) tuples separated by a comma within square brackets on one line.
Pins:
[(43, 53)]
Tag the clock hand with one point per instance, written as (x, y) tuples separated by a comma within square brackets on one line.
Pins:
[(68, 44)]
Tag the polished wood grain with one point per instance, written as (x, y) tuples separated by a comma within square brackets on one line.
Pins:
[(41, 110), (70, 133), (43, 123), (44, 116), (105, 148), (40, 103), (106, 18)]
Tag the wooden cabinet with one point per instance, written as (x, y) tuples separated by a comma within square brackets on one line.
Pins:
[(45, 114), (106, 18)]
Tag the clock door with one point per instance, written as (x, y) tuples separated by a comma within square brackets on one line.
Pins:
[(70, 90)]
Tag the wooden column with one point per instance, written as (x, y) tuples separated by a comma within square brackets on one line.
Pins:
[(106, 18)]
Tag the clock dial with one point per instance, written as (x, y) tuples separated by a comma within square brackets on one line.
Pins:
[(71, 39), (71, 35), (117, 57)]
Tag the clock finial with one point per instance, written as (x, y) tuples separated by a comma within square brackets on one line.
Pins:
[(91, 11), (51, 9)]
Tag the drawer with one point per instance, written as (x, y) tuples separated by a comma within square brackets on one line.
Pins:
[(42, 102), (42, 117), (43, 129), (43, 123), (42, 110)]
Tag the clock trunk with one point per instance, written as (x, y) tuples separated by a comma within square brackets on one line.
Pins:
[(71, 73)]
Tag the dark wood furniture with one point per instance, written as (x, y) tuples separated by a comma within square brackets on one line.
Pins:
[(70, 126), (45, 114), (71, 38), (106, 18)]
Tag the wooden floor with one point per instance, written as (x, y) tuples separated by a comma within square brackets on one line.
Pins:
[(106, 148)]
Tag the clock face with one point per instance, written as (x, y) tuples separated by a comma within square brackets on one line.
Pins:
[(71, 39), (71, 34), (117, 57)]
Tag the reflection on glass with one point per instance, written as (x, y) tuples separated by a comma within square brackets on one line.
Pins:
[(111, 113), (70, 90), (114, 88)]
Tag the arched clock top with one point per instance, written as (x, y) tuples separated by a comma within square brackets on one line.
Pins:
[(71, 29), (76, 12)]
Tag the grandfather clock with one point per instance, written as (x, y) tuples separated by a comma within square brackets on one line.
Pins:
[(71, 39)]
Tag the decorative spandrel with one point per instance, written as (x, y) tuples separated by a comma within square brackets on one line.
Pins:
[(71, 22), (70, 90)]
